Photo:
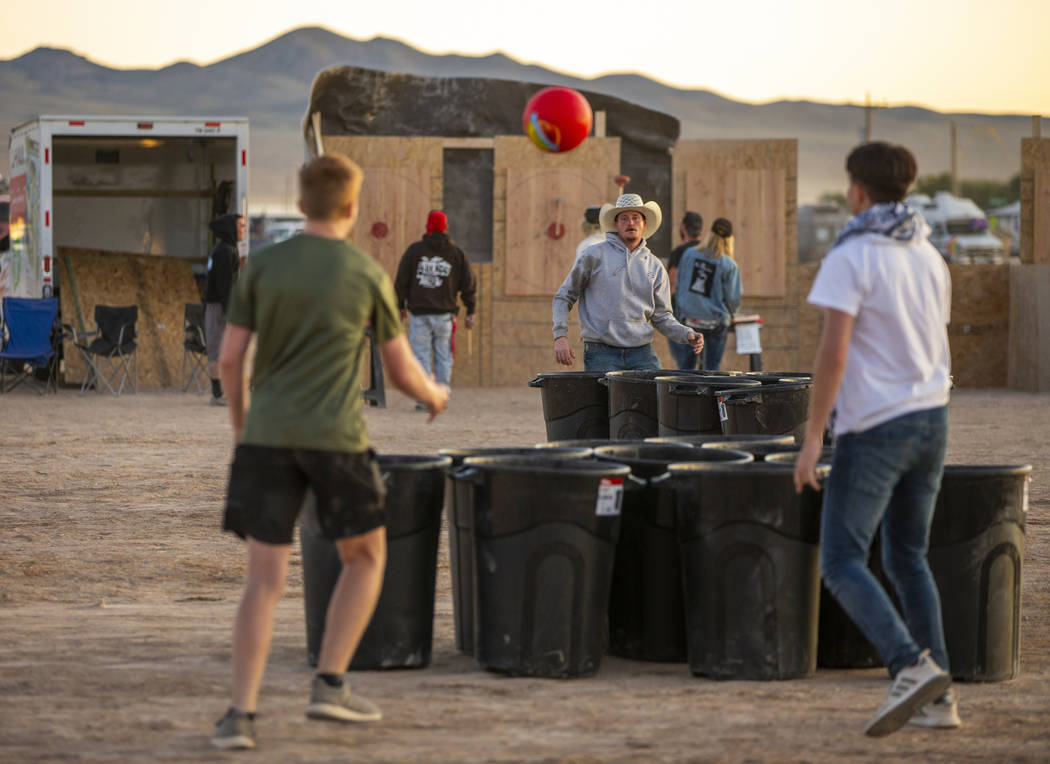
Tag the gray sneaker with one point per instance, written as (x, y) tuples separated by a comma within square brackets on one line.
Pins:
[(234, 731), (339, 704), (942, 713), (218, 400), (912, 688)]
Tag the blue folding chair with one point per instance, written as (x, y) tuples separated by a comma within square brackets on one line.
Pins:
[(30, 333)]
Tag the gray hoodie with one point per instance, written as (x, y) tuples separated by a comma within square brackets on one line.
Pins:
[(622, 296)]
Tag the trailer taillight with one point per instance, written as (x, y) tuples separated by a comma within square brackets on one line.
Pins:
[(76, 123), (47, 263), (47, 155), (145, 125), (244, 157), (213, 124), (47, 218)]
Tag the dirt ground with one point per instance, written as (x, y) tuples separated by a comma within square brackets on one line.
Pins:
[(118, 591)]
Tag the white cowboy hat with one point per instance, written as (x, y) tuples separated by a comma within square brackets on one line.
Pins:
[(650, 211)]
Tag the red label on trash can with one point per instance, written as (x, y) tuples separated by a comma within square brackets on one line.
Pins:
[(610, 497)]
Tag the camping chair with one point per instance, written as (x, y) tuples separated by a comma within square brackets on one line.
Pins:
[(29, 336), (194, 351), (109, 351)]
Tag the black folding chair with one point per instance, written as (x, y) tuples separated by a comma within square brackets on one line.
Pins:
[(29, 337), (110, 350), (194, 351)]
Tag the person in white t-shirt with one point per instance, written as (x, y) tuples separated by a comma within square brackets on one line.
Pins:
[(883, 364)]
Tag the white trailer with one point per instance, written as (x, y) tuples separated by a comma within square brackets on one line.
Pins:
[(141, 185)]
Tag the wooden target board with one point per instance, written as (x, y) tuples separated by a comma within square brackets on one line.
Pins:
[(544, 210), (754, 201), (393, 212)]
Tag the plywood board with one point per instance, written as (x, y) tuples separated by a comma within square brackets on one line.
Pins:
[(544, 210), (393, 212), (159, 286), (753, 200), (1029, 352), (1041, 217)]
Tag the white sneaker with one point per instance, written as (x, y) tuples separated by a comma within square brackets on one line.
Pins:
[(912, 688), (942, 713)]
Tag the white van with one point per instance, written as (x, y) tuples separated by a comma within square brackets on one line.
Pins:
[(959, 229)]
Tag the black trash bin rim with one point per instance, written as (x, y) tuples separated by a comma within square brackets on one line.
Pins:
[(545, 465), (590, 443), (724, 438), (791, 457), (543, 377), (608, 453), (985, 469), (581, 452), (752, 468), (743, 392), (697, 384), (640, 376), (413, 461)]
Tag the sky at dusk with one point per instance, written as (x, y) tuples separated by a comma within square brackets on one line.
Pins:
[(949, 55)]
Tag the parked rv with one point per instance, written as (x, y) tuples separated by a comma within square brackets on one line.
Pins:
[(818, 226), (959, 228), (141, 185), (1005, 222)]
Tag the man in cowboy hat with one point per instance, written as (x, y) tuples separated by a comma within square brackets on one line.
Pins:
[(623, 293)]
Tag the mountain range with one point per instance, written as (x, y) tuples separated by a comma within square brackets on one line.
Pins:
[(270, 85)]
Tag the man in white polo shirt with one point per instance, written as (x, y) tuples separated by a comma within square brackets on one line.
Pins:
[(883, 364)]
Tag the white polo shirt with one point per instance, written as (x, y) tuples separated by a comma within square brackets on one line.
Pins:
[(899, 294)]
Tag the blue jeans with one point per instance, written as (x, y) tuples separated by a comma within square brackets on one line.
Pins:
[(683, 355), (887, 477), (714, 347), (431, 339), (598, 356)]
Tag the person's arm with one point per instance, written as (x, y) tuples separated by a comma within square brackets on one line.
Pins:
[(232, 354), (732, 289), (468, 289), (403, 282), (663, 319), (828, 368), (566, 296), (408, 376)]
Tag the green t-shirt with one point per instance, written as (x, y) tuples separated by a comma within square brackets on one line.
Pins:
[(309, 300)]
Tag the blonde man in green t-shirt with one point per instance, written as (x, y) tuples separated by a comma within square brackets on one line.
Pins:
[(308, 301)]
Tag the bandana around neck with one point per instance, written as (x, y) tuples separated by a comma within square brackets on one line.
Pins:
[(894, 220)]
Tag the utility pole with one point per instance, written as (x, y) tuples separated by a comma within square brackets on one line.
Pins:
[(954, 162), (869, 107), (1037, 126)]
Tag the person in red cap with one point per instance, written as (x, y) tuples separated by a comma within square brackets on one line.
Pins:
[(430, 275)]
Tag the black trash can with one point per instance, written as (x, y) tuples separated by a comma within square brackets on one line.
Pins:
[(646, 609), (545, 533), (750, 566), (400, 634), (780, 409), (633, 408), (840, 644), (976, 550), (575, 404), (686, 403), (459, 500)]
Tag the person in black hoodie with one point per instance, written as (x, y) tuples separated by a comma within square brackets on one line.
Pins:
[(430, 275), (223, 264)]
